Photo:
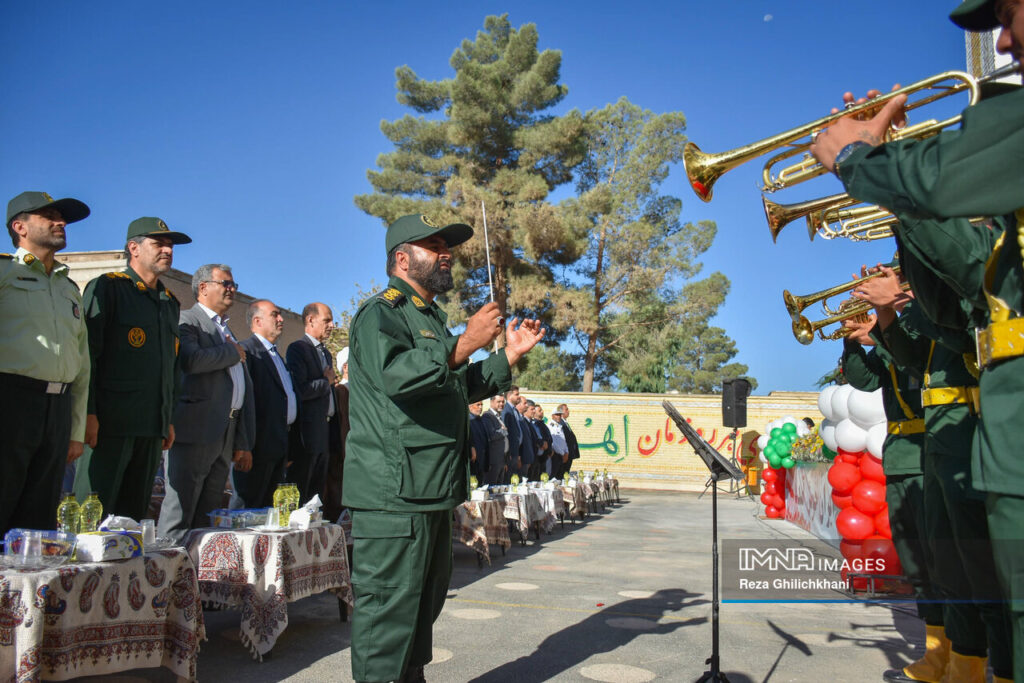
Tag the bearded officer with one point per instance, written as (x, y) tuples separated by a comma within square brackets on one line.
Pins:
[(44, 361), (407, 456), (133, 343)]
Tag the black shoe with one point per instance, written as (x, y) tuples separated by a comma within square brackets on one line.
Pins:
[(898, 676)]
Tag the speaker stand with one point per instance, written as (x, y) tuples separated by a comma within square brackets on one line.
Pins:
[(714, 673)]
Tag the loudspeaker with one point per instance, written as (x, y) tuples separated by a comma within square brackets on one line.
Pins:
[(734, 402)]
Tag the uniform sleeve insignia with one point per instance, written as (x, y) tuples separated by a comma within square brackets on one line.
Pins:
[(141, 286), (427, 221), (428, 334), (391, 296), (117, 274), (75, 311), (136, 337), (418, 301)]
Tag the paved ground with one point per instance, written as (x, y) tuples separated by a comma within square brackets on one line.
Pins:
[(623, 597)]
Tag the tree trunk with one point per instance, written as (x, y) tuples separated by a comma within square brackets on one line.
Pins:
[(589, 361)]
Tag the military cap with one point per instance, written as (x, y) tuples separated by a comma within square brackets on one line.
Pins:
[(147, 226), (71, 210), (417, 226), (975, 15)]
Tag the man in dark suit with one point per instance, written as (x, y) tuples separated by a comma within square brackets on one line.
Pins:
[(543, 463), (276, 408), (570, 438), (510, 416), (214, 417), (498, 455), (314, 378), (337, 428), (478, 441), (528, 439)]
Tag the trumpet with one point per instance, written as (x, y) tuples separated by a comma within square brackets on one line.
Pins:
[(781, 215), (859, 223), (703, 169), (805, 329)]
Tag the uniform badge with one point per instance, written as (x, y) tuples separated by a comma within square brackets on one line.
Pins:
[(47, 197), (418, 301), (141, 286), (391, 296), (427, 221), (428, 334), (136, 337), (29, 259), (75, 311), (160, 224)]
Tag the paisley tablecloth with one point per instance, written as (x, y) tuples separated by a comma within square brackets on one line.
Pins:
[(260, 572), (576, 500), (101, 618), (553, 504), (480, 524), (522, 508)]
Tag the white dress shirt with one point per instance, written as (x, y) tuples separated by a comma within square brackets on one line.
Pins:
[(236, 370), (286, 378)]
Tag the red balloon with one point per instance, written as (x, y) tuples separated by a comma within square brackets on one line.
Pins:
[(882, 523), (849, 456), (881, 553), (771, 488), (871, 468), (772, 512), (836, 460), (769, 475), (842, 502), (778, 501), (851, 550), (869, 496), (843, 477), (854, 525), (766, 498)]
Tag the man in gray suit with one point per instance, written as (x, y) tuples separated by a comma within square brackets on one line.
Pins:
[(214, 418)]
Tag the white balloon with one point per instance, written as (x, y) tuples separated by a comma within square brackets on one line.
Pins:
[(840, 403), (825, 400), (828, 434), (876, 437), (866, 408), (762, 441), (850, 437), (762, 458), (790, 419)]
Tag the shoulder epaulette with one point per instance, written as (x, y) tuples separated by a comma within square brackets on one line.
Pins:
[(7, 257), (391, 296), (116, 274), (170, 295)]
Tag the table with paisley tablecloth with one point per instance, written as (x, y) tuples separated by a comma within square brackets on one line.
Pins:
[(575, 501), (523, 511), (101, 618), (260, 572), (553, 504), (481, 524)]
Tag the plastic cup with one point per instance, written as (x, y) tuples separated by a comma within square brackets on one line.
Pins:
[(32, 545), (148, 532)]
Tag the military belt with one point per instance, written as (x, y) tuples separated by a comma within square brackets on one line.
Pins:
[(38, 385), (905, 427), (1000, 340), (943, 396)]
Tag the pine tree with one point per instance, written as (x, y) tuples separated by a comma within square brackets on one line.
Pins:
[(487, 134)]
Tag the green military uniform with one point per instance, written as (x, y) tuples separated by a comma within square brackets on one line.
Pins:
[(902, 461), (44, 374), (133, 343), (406, 466), (974, 171), (956, 523)]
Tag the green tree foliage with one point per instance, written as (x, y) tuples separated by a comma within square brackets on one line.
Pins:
[(548, 368), (632, 315), (486, 135)]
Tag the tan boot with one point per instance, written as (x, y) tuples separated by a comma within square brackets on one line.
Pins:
[(932, 666), (965, 669)]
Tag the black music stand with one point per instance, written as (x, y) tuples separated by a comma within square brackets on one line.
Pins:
[(719, 466)]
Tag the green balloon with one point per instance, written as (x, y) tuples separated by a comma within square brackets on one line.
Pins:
[(789, 428), (784, 448), (775, 461), (788, 462), (769, 451), (775, 433)]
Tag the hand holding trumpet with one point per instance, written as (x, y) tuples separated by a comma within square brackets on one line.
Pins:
[(830, 141)]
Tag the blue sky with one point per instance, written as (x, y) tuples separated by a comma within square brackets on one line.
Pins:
[(251, 125)]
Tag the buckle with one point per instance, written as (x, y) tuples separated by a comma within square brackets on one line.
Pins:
[(55, 387), (234, 413)]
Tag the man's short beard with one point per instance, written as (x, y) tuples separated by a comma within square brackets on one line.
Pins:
[(434, 280)]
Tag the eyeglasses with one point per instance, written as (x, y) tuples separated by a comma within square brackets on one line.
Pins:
[(226, 284)]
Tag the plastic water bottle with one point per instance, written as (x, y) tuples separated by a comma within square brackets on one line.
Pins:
[(68, 514), (92, 513)]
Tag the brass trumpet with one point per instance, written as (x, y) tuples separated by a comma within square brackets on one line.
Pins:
[(804, 329), (781, 215), (704, 169), (858, 223)]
